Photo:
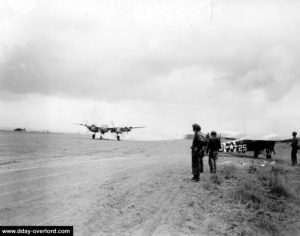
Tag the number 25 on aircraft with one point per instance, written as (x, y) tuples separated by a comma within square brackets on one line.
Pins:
[(242, 148)]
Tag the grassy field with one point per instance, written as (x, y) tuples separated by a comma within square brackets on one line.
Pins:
[(265, 199)]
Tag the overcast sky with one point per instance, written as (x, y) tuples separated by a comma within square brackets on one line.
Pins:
[(228, 65)]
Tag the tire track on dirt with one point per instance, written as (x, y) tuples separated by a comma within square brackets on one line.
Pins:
[(169, 194), (125, 206)]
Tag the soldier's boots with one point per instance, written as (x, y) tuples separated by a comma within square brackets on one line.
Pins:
[(195, 178)]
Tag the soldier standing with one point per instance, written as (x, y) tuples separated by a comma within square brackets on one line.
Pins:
[(212, 148), (294, 146), (197, 152)]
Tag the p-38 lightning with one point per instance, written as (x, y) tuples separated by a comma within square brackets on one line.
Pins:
[(104, 129)]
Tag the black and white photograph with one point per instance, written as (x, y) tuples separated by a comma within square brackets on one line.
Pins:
[(149, 117)]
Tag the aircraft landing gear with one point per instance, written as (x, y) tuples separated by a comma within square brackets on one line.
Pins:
[(118, 137), (268, 156), (256, 153), (93, 136)]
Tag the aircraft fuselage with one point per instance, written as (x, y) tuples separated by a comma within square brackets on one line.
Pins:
[(257, 146)]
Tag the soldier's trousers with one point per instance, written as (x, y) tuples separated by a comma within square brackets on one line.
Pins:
[(294, 157), (212, 161), (197, 163)]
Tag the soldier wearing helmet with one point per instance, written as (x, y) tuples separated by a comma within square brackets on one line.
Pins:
[(212, 149), (294, 146), (197, 152)]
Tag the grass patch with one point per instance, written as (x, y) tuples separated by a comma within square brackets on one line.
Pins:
[(252, 169), (250, 190), (276, 206), (272, 178), (229, 172), (216, 179), (266, 223), (207, 186), (264, 189), (212, 183), (264, 175), (278, 186)]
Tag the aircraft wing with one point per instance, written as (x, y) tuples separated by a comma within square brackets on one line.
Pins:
[(122, 128), (269, 137), (92, 128), (81, 124), (90, 125)]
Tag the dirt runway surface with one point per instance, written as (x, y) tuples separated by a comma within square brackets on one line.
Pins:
[(114, 188)]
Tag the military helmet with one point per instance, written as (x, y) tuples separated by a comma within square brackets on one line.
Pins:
[(213, 133), (196, 127), (294, 133)]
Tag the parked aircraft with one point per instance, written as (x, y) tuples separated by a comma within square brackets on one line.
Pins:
[(256, 144)]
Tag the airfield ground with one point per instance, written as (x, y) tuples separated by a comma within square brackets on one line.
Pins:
[(143, 188)]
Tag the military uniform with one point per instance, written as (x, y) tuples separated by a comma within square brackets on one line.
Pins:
[(294, 145), (198, 154), (212, 148)]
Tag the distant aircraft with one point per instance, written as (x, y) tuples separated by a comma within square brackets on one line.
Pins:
[(19, 129), (256, 144), (104, 129)]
